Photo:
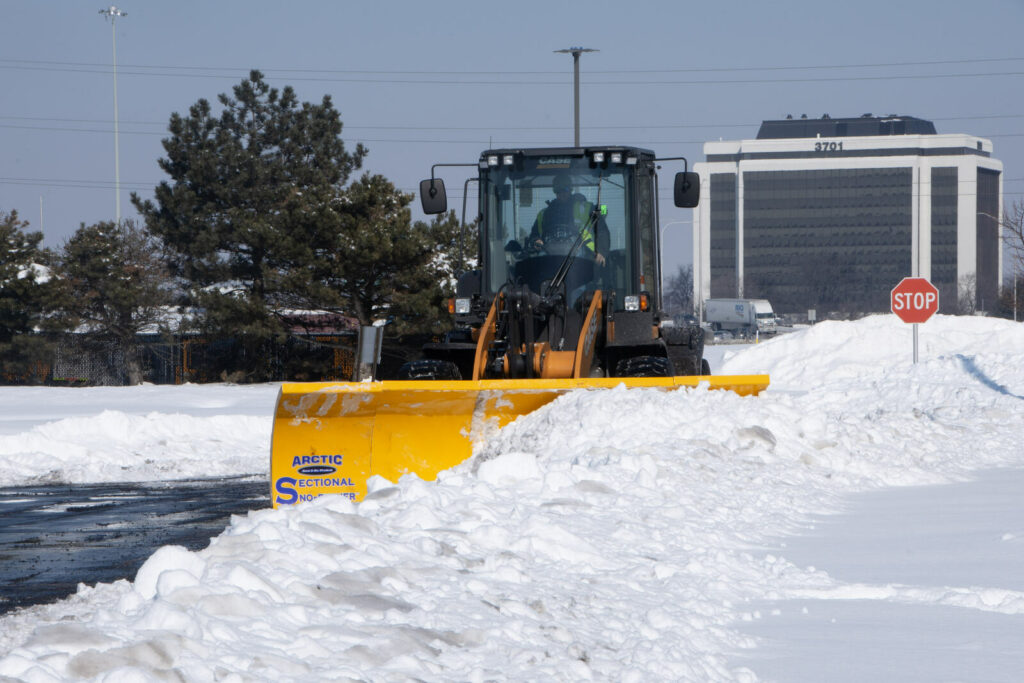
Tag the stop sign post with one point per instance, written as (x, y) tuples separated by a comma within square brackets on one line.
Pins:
[(914, 300)]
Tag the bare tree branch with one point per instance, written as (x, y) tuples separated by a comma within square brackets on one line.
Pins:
[(1013, 233)]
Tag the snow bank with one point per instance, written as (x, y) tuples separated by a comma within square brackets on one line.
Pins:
[(609, 535), (145, 433)]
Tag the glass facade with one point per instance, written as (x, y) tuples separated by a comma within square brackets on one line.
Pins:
[(988, 239), (828, 239), (945, 191), (723, 235)]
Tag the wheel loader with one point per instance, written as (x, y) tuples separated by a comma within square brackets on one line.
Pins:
[(565, 294)]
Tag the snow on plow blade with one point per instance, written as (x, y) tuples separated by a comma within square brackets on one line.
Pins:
[(331, 437)]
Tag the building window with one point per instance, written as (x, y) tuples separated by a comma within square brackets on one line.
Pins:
[(988, 239), (723, 235), (945, 192), (835, 240)]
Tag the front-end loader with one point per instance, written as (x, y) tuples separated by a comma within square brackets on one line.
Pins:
[(565, 296)]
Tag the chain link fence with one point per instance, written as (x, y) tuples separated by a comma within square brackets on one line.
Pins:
[(81, 361)]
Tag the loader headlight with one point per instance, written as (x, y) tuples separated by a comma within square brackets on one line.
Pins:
[(462, 306), (637, 302)]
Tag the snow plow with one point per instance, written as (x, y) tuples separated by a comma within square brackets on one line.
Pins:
[(565, 296)]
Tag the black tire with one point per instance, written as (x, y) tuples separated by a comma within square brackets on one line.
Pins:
[(705, 366), (644, 366), (429, 369)]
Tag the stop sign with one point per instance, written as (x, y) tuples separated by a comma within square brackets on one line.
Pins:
[(914, 299)]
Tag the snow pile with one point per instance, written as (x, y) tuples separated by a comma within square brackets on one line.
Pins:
[(134, 433), (608, 535)]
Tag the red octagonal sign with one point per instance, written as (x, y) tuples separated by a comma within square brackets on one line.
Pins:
[(914, 299)]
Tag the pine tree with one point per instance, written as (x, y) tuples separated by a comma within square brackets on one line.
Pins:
[(380, 264), (24, 291), (455, 249), (248, 208), (115, 287)]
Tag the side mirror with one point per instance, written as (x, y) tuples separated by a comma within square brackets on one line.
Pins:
[(432, 196), (687, 190)]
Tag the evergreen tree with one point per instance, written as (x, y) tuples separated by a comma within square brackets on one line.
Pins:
[(380, 264), (249, 207), (455, 249), (24, 292), (115, 287)]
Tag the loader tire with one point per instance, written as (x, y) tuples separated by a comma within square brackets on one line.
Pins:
[(429, 370), (705, 367), (644, 366)]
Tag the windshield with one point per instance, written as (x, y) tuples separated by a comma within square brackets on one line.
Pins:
[(536, 211)]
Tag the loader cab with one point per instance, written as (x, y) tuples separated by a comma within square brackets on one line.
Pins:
[(611, 198)]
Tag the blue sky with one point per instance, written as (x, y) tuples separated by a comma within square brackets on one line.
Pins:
[(421, 83)]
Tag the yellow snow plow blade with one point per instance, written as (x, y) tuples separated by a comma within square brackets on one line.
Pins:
[(331, 437)]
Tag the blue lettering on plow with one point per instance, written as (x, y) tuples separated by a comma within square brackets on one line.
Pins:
[(285, 488), (300, 460)]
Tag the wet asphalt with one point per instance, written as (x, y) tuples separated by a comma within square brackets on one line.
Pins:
[(53, 537)]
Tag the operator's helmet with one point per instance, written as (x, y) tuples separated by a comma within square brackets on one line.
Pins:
[(561, 183)]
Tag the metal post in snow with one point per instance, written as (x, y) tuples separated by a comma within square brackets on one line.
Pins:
[(914, 300)]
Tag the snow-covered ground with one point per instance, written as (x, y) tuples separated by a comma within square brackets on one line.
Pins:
[(624, 535)]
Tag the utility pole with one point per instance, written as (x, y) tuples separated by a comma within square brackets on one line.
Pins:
[(113, 13), (576, 52)]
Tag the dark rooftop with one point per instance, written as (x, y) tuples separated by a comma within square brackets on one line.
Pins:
[(827, 127)]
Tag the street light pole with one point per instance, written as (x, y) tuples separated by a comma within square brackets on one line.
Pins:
[(113, 13), (576, 52)]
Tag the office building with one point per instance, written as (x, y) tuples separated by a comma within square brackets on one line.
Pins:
[(830, 214)]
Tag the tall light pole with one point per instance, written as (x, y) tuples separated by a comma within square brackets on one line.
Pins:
[(113, 13), (576, 52)]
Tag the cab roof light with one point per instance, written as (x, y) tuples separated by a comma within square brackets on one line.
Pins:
[(492, 160), (616, 157), (598, 157), (630, 161), (508, 160)]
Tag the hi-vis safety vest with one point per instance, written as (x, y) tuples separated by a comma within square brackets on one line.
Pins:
[(580, 214)]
